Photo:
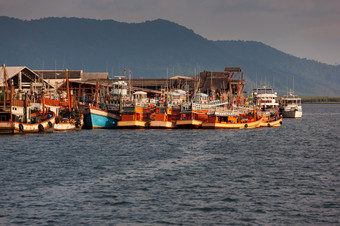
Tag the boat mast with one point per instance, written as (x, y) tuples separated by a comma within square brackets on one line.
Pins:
[(130, 88), (97, 95), (68, 91), (6, 96), (211, 87), (43, 100), (11, 102), (293, 84), (287, 88), (167, 81)]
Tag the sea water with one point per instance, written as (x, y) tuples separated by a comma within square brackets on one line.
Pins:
[(287, 175)]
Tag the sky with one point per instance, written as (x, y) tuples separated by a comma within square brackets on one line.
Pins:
[(303, 28)]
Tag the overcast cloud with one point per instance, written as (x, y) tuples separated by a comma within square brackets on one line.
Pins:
[(304, 28)]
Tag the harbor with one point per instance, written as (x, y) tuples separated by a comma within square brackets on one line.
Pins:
[(169, 112), (61, 100)]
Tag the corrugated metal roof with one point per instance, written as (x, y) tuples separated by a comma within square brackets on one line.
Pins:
[(95, 75), (59, 74), (181, 77), (11, 71)]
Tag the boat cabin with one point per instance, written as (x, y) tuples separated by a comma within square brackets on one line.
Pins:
[(264, 90), (177, 97), (140, 97), (182, 94), (120, 88), (201, 98), (266, 97), (290, 101)]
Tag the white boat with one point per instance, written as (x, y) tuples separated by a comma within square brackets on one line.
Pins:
[(290, 106), (266, 98)]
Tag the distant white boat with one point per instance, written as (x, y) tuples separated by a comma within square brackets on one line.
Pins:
[(290, 106)]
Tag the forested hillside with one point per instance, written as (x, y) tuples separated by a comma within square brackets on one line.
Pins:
[(152, 47)]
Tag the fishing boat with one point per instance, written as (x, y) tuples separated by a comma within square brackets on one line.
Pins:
[(136, 114), (18, 116), (98, 116), (239, 118), (266, 99), (191, 119), (168, 111), (17, 113), (68, 116), (271, 120), (194, 114), (67, 125), (69, 120), (40, 123), (163, 117), (290, 106)]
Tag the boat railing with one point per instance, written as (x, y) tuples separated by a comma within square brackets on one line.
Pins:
[(227, 111), (218, 102), (210, 105), (142, 104)]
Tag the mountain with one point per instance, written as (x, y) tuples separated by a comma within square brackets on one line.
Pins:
[(268, 64), (151, 49)]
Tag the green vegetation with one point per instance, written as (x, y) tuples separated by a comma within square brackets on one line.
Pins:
[(320, 100)]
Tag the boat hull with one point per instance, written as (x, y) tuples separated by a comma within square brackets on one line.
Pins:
[(99, 119), (8, 128), (219, 125), (64, 126), (162, 124), (190, 124), (18, 127), (132, 124), (276, 123), (291, 114)]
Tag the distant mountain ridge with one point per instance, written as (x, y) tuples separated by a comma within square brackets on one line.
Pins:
[(151, 49)]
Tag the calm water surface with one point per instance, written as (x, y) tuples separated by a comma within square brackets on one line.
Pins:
[(287, 175)]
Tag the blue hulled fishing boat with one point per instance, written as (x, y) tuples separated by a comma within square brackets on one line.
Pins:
[(96, 118)]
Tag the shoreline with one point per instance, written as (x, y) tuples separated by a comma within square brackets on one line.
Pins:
[(320, 100)]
